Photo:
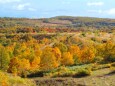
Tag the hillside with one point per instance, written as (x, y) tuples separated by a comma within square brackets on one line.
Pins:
[(59, 22), (98, 78), (58, 51)]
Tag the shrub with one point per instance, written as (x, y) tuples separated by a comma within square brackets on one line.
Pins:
[(63, 74), (3, 79), (97, 66), (82, 73), (72, 73), (113, 64), (98, 59), (83, 34), (60, 72), (109, 58), (112, 69)]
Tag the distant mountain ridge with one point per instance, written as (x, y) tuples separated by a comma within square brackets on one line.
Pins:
[(60, 22)]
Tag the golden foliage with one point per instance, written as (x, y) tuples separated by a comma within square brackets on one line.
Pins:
[(87, 55), (67, 59), (48, 59)]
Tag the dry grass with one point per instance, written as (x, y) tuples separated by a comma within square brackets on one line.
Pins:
[(98, 78), (9, 80)]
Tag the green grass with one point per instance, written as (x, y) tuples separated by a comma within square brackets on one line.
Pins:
[(77, 70), (98, 78), (70, 71), (75, 76), (100, 66)]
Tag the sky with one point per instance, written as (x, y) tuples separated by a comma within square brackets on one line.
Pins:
[(52, 8)]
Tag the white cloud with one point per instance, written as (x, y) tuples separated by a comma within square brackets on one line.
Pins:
[(111, 11), (25, 6), (22, 6), (108, 12), (95, 11), (32, 9), (8, 1), (95, 3)]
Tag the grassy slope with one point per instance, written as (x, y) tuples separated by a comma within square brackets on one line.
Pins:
[(98, 78), (57, 21)]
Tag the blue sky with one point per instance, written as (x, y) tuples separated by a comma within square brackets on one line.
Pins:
[(51, 8)]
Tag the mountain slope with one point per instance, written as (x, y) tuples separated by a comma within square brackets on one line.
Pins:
[(59, 22)]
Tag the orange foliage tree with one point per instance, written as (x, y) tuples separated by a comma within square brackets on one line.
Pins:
[(19, 66), (67, 59), (75, 52), (48, 59), (87, 54)]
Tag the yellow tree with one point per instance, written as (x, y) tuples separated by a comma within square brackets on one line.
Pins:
[(109, 51), (4, 81), (106, 51), (57, 54), (67, 59), (35, 64), (24, 66), (87, 55), (75, 52), (14, 65), (37, 50), (20, 49), (48, 59), (19, 66)]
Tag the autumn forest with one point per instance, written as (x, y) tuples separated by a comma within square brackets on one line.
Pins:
[(55, 47)]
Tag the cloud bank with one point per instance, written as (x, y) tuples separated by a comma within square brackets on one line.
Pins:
[(8, 1), (109, 11), (95, 3), (25, 6)]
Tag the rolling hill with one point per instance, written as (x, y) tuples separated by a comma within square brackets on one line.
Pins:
[(79, 23)]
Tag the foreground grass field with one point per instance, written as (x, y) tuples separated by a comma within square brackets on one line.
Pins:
[(102, 76), (99, 78)]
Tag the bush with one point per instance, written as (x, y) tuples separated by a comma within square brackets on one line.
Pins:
[(3, 79), (113, 64), (97, 66), (64, 74), (36, 74), (109, 58), (83, 34), (60, 72), (112, 70), (98, 59), (82, 73), (69, 71)]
